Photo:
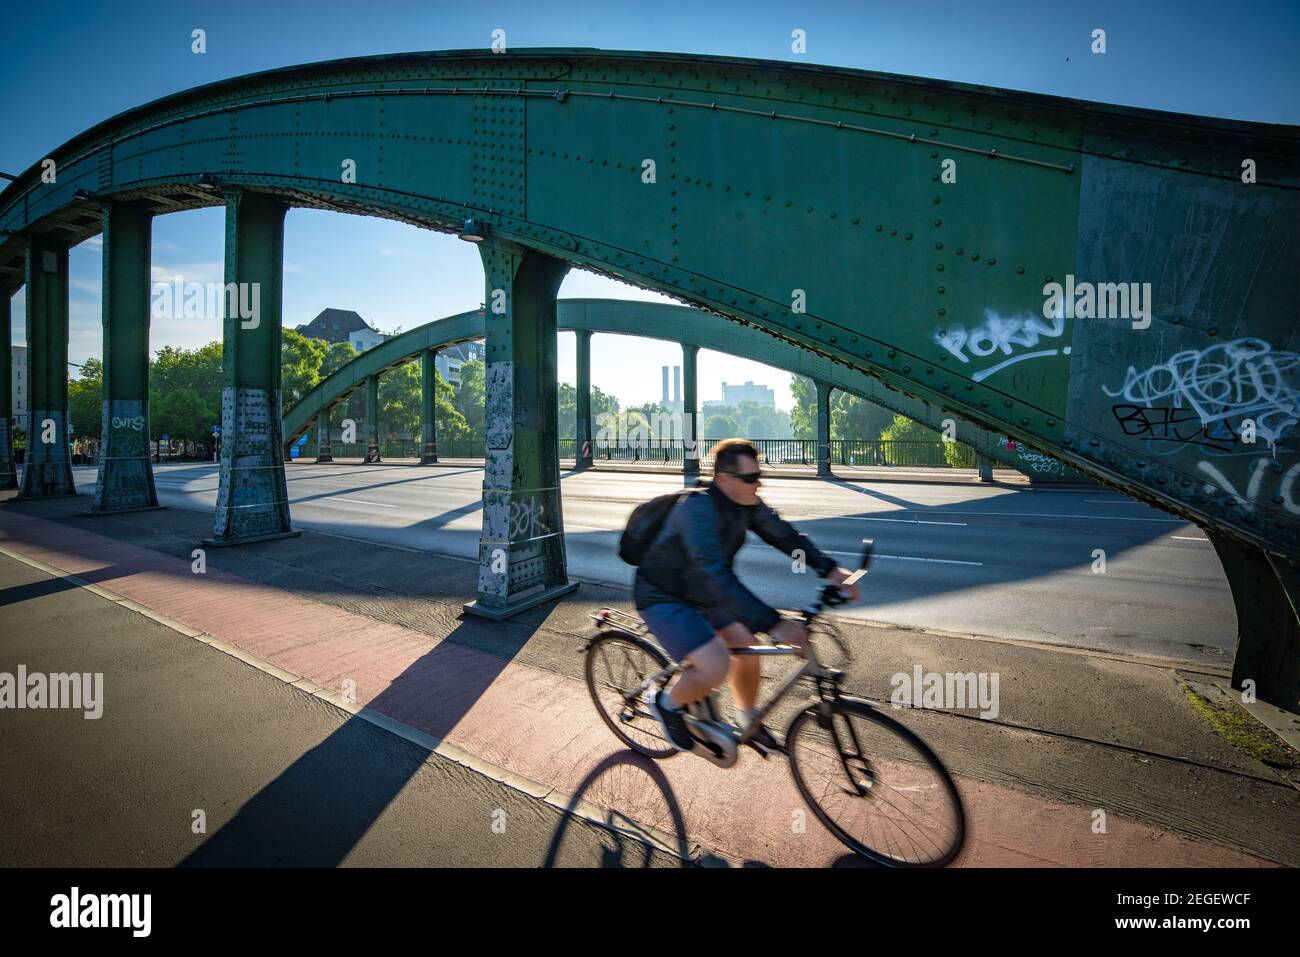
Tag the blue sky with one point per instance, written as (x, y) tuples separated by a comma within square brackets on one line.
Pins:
[(66, 66)]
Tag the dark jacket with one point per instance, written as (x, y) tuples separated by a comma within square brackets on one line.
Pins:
[(691, 558)]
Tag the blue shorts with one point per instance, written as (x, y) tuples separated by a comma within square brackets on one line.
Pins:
[(679, 628)]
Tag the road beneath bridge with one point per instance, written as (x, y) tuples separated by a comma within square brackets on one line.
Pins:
[(1010, 563)]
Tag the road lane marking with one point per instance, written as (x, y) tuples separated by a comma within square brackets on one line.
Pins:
[(1188, 538), (904, 521), (338, 498), (906, 558)]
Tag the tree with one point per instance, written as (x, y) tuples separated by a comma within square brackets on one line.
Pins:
[(337, 356), (567, 400), (718, 427), (853, 417), (300, 364), (903, 429), (86, 400), (470, 396)]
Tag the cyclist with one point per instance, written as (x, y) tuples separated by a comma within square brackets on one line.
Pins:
[(687, 593)]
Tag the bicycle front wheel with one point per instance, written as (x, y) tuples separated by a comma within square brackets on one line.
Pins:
[(876, 785)]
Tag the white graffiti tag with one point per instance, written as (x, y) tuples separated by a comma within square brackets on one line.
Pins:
[(1001, 334), (1244, 378)]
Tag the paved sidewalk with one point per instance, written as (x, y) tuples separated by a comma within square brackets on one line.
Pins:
[(511, 694)]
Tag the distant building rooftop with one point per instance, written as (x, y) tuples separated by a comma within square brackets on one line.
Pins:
[(334, 325)]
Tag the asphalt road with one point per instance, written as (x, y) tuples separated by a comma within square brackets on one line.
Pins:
[(280, 777), (1015, 563)]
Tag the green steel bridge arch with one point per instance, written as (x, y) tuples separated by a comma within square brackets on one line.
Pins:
[(691, 328), (816, 204)]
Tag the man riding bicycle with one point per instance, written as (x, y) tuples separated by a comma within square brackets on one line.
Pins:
[(688, 595)]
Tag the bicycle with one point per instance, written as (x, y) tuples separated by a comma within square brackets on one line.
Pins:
[(840, 746)]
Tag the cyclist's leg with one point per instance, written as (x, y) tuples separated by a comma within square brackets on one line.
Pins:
[(745, 671), (708, 669), (687, 635)]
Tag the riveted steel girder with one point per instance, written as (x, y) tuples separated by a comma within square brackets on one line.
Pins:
[(372, 419), (125, 481), (810, 202), (521, 550), (691, 328), (252, 496), (47, 465), (583, 433), (429, 406), (8, 472)]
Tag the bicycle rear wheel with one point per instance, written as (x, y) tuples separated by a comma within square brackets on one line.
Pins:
[(876, 785), (618, 662)]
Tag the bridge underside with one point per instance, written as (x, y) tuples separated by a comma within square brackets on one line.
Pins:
[(1115, 287)]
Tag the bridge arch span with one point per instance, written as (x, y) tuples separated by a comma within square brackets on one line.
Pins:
[(806, 201)]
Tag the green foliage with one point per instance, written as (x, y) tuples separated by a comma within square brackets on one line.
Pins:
[(903, 429), (567, 398), (469, 397), (85, 400), (719, 427), (300, 366)]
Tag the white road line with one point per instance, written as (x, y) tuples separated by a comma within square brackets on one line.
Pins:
[(904, 521), (1188, 538), (906, 558), (338, 498)]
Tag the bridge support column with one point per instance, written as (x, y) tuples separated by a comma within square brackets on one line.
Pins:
[(429, 406), (8, 472), (823, 428), (47, 467), (125, 481), (324, 446), (582, 435), (372, 420), (690, 416), (252, 497), (1266, 592), (521, 551), (985, 465)]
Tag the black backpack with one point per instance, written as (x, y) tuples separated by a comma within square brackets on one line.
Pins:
[(645, 523)]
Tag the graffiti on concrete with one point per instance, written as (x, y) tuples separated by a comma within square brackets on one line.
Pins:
[(1224, 384), (1003, 336)]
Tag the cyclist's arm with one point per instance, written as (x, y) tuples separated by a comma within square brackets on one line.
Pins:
[(714, 584), (779, 533)]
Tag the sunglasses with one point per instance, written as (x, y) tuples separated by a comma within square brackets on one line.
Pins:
[(749, 478)]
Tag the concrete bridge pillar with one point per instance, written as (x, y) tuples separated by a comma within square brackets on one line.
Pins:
[(324, 445), (823, 428), (47, 465), (8, 472), (521, 550), (583, 452), (429, 407), (690, 414), (125, 481), (252, 498), (372, 420), (985, 465)]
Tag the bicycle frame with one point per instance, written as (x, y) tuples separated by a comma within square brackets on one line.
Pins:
[(812, 668)]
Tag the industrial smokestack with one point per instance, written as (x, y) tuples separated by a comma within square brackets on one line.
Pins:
[(665, 398), (677, 383)]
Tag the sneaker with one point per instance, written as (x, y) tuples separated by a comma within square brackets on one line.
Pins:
[(764, 742), (670, 720)]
